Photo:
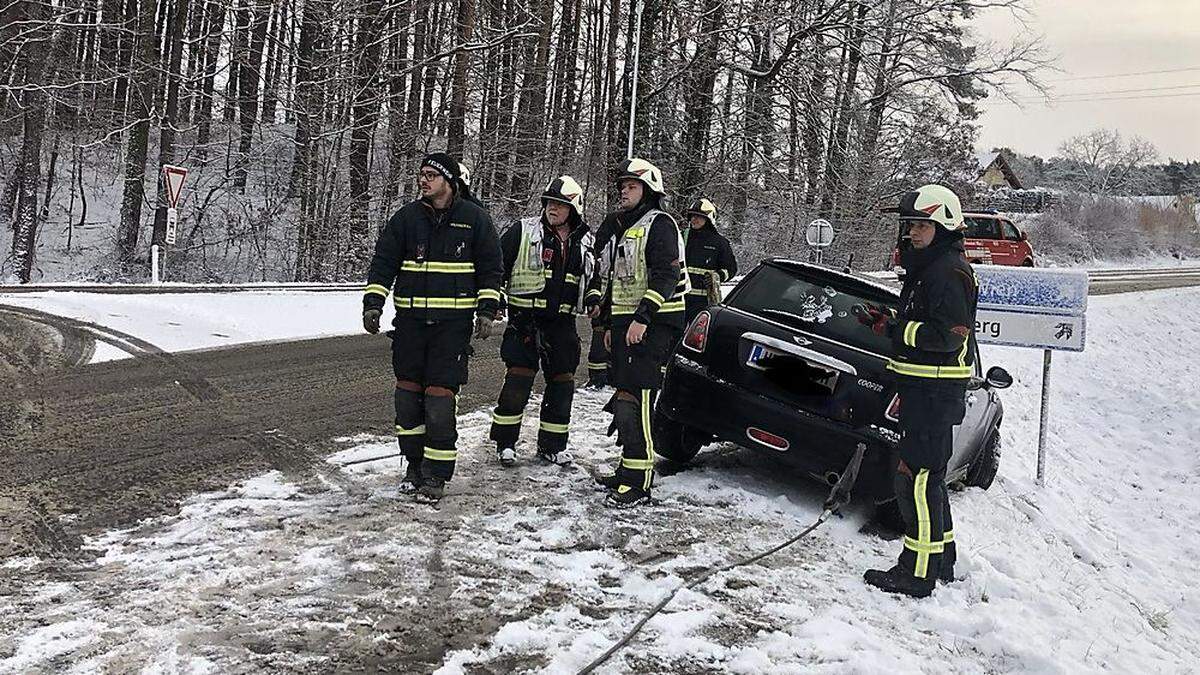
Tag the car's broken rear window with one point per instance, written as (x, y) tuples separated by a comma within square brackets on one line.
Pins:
[(814, 305)]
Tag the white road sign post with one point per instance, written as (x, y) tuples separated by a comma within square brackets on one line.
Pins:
[(173, 177), (819, 235), (1036, 308)]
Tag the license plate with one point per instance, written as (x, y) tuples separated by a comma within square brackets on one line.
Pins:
[(791, 365)]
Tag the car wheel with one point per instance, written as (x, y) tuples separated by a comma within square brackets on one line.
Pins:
[(1027, 263), (987, 463), (887, 517), (676, 441)]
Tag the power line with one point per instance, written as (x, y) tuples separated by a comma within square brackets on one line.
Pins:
[(1117, 75), (1048, 102), (1040, 97)]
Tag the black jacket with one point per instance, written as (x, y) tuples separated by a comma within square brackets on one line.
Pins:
[(933, 334), (565, 263), (708, 251), (443, 264), (662, 259)]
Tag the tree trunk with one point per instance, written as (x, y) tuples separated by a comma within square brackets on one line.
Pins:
[(33, 106), (216, 24), (275, 58), (239, 45), (813, 124), (144, 84), (248, 81), (364, 115), (698, 101), (397, 124), (458, 87), (531, 111), (835, 179)]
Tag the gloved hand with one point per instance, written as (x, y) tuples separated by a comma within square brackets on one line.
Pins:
[(877, 319), (483, 326), (371, 320)]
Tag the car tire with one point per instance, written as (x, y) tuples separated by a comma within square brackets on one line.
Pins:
[(983, 470), (676, 441), (887, 517), (1027, 263)]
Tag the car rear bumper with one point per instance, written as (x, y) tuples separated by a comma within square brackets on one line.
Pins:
[(815, 444)]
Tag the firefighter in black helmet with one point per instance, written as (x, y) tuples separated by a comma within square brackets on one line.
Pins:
[(439, 257), (643, 283), (934, 354), (710, 260), (546, 264)]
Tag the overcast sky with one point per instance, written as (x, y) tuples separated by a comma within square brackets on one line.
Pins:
[(1098, 39)]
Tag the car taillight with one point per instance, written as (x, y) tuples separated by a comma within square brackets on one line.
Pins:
[(893, 410), (896, 257), (696, 338), (767, 438)]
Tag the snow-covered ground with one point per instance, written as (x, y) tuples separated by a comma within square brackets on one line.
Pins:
[(524, 570)]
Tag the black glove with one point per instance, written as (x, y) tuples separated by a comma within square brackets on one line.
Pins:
[(371, 320)]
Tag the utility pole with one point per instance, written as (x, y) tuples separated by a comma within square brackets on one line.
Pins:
[(638, 6)]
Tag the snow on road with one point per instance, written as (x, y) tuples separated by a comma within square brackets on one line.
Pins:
[(524, 570)]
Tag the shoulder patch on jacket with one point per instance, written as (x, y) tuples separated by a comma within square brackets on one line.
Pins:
[(461, 225)]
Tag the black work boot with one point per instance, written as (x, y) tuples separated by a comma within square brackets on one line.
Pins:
[(506, 455), (597, 379), (412, 479), (896, 580), (559, 457), (625, 497), (608, 482), (431, 491)]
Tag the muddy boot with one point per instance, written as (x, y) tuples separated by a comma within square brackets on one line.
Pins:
[(431, 491), (559, 457), (412, 479), (625, 497), (898, 581), (507, 456)]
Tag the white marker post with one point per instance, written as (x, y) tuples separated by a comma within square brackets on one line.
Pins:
[(819, 235), (173, 177), (638, 6), (1035, 308)]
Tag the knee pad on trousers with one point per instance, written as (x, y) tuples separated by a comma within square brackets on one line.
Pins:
[(410, 423), (628, 421), (514, 394), (440, 424), (556, 402)]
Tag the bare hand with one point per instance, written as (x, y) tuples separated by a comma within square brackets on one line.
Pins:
[(903, 468), (636, 332), (594, 312), (608, 341)]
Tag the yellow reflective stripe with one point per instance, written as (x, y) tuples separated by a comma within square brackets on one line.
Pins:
[(947, 536), (917, 547), (933, 372), (507, 420), (653, 296), (649, 439), (962, 353), (442, 267), (698, 291), (571, 279), (441, 455), (597, 366), (621, 310), (637, 464), (552, 427), (377, 289), (593, 292), (724, 274), (923, 541), (415, 431), (566, 309), (527, 303), (435, 303), (910, 333), (488, 294), (699, 270), (673, 306)]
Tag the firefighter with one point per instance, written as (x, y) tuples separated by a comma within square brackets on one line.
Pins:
[(546, 263), (464, 186), (709, 257), (641, 274), (934, 352), (439, 257)]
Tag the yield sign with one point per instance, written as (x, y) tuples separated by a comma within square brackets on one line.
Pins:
[(173, 178)]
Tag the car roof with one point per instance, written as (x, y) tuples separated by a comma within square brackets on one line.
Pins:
[(826, 270)]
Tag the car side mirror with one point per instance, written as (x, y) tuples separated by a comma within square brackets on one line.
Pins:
[(998, 378)]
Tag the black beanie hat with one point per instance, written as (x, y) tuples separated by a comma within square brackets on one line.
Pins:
[(443, 164)]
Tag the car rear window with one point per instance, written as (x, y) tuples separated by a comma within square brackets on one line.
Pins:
[(812, 303), (981, 228)]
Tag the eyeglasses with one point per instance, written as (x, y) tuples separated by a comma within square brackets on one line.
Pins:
[(429, 175)]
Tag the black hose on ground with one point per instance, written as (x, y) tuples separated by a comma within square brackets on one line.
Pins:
[(838, 497)]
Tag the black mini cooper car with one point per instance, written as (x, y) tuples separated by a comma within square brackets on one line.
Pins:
[(782, 365)]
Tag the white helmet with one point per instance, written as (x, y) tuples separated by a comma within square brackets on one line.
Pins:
[(704, 208), (644, 171), (566, 190), (933, 202), (464, 174)]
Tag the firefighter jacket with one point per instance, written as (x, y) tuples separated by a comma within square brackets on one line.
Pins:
[(707, 251), (542, 273), (438, 265), (641, 267), (933, 333)]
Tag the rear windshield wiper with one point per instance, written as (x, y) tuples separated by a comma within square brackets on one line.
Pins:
[(787, 314)]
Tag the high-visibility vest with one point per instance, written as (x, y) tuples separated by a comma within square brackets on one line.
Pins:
[(529, 270)]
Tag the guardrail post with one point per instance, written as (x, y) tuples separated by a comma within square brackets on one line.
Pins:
[(1041, 460)]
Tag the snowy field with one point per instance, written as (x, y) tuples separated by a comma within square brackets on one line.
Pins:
[(524, 570)]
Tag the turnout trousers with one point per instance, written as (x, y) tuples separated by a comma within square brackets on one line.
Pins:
[(551, 341), (638, 370), (430, 354), (928, 414)]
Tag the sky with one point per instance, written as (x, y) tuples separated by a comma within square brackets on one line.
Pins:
[(1105, 41)]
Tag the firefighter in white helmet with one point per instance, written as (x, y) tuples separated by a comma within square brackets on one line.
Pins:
[(642, 282), (934, 357), (709, 257), (547, 259)]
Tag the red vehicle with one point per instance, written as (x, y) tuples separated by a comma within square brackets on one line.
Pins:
[(990, 239)]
